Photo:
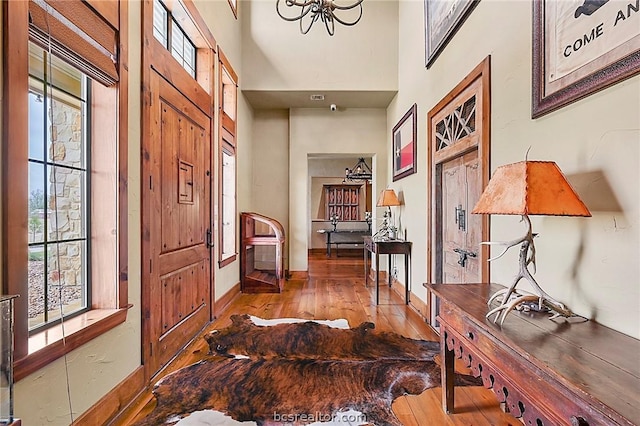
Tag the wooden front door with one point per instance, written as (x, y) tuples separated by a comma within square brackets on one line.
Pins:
[(180, 218), (458, 128)]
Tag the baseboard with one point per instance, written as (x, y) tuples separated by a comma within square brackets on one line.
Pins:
[(421, 308), (299, 275), (415, 303), (113, 406), (226, 299), (339, 252), (114, 403)]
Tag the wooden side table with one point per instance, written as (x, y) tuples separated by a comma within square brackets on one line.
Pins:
[(387, 247)]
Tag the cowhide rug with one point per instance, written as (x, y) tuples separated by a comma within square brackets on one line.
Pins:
[(299, 373)]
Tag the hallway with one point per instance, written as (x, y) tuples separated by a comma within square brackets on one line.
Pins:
[(335, 289)]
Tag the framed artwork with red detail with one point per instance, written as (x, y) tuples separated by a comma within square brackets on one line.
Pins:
[(404, 144)]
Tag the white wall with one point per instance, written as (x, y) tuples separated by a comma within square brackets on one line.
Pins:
[(591, 264), (270, 168), (276, 56), (361, 132)]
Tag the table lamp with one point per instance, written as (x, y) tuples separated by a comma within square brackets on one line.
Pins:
[(387, 199), (528, 188)]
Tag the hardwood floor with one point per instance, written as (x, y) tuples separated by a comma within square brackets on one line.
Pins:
[(335, 289)]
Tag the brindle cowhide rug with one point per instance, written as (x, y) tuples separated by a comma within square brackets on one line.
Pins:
[(299, 374)]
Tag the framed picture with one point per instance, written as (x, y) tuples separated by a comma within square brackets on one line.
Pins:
[(234, 7), (580, 47), (442, 19), (404, 137)]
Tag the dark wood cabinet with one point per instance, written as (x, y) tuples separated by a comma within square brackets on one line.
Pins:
[(343, 201), (261, 254), (549, 373)]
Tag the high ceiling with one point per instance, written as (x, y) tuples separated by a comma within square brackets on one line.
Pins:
[(260, 99)]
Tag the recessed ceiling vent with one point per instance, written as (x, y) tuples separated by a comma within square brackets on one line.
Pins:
[(317, 97)]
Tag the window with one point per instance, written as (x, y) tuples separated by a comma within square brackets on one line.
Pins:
[(227, 163), (161, 23), (58, 190), (63, 141), (228, 201), (167, 31)]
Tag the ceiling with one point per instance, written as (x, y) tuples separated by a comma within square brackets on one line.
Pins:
[(261, 99)]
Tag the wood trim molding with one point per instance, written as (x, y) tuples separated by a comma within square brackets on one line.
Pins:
[(123, 159), (298, 275), (227, 142), (416, 304), (317, 250), (480, 75), (145, 176), (54, 347), (15, 72), (199, 22), (115, 403), (225, 300)]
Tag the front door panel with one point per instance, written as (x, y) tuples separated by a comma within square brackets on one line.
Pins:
[(461, 232), (180, 199)]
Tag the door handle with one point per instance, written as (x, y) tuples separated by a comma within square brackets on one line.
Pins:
[(208, 240), (464, 255), (460, 217)]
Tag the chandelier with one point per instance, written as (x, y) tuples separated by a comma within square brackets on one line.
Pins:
[(314, 10), (359, 173)]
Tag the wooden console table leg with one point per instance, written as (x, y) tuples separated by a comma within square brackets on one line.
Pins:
[(377, 278), (447, 373), (407, 290), (366, 270)]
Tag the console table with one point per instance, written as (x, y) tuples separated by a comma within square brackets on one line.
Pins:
[(561, 372), (388, 247), (343, 236)]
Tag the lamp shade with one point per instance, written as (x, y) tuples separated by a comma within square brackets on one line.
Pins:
[(530, 188), (388, 197)]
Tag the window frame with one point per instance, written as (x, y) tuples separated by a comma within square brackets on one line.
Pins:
[(172, 26), (110, 305), (234, 8), (51, 164), (227, 125)]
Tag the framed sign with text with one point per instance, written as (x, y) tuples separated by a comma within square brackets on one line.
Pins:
[(580, 47)]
